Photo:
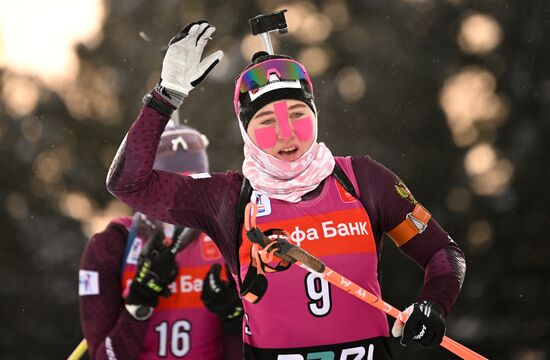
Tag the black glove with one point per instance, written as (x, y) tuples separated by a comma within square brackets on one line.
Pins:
[(156, 270), (425, 325), (221, 298)]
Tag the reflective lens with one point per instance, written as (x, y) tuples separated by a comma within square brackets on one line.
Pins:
[(258, 75)]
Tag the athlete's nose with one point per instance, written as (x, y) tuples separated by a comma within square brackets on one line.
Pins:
[(281, 114)]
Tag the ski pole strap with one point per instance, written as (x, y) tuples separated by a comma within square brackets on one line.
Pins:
[(415, 223), (254, 286), (265, 246), (250, 213)]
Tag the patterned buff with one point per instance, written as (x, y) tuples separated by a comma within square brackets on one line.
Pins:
[(285, 180)]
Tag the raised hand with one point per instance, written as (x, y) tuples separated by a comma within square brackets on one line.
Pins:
[(183, 67)]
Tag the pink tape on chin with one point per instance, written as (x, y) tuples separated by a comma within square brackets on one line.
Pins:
[(281, 113), (303, 128), (265, 137)]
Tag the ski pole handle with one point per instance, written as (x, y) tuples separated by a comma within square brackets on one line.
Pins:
[(184, 239), (79, 351)]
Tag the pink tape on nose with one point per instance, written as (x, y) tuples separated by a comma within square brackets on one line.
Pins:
[(281, 113), (265, 137), (303, 128)]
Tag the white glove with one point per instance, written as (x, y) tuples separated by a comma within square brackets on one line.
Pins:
[(182, 68)]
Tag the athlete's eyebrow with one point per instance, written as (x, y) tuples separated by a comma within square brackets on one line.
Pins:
[(264, 113), (295, 106), (270, 112)]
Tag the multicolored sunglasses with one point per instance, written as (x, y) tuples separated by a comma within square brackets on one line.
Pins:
[(258, 75)]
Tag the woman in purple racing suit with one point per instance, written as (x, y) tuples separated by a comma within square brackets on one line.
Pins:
[(336, 208), (142, 282)]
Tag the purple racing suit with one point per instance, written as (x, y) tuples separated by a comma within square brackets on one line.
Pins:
[(209, 201)]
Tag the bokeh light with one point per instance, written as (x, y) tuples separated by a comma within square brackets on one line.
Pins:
[(459, 199), (32, 129), (79, 206), (356, 39), (100, 218), (495, 181), (47, 166), (530, 354), (20, 94), (489, 174), (251, 44), (480, 159), (76, 205), (94, 97), (337, 11), (306, 23), (315, 28), (297, 12), (350, 84), (38, 37), (479, 34), (468, 100), (16, 205), (316, 60), (480, 235)]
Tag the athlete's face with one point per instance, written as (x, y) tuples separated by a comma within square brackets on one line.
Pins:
[(285, 129)]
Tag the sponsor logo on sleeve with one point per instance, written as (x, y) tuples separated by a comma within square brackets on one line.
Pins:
[(88, 283)]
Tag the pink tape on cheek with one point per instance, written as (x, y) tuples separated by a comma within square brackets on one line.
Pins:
[(281, 113), (304, 128), (265, 137)]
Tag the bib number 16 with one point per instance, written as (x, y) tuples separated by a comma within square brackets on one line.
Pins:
[(177, 337)]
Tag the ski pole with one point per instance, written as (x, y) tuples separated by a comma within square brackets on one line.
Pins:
[(79, 350), (184, 239), (313, 264)]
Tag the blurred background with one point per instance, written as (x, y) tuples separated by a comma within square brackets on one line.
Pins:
[(452, 95)]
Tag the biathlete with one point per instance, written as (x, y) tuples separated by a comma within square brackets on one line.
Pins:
[(336, 208), (144, 284)]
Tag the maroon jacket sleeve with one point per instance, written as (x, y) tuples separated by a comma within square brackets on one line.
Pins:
[(131, 177), (433, 250), (107, 326), (207, 203)]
